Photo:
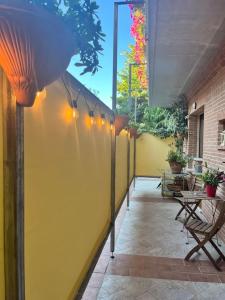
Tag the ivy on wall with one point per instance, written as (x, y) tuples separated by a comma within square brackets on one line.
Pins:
[(138, 33)]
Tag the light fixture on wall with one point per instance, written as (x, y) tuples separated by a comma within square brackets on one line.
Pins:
[(41, 95), (111, 124), (194, 105), (92, 117), (75, 109), (103, 119)]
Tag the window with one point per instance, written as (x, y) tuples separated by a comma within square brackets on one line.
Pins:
[(221, 137)]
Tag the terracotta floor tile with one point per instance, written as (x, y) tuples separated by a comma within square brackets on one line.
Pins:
[(149, 260), (196, 263), (204, 278), (150, 251), (158, 274), (174, 276), (222, 277), (208, 269), (117, 270), (136, 272), (187, 269)]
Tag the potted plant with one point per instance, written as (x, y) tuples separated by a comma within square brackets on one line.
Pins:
[(133, 128), (177, 161), (121, 122), (212, 178)]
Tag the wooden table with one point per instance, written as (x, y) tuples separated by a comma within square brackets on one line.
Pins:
[(197, 195), (195, 198)]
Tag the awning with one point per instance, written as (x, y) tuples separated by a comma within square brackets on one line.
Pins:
[(183, 36)]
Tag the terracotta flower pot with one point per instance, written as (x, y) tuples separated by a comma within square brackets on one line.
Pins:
[(176, 168), (121, 121), (35, 48), (133, 132), (211, 190)]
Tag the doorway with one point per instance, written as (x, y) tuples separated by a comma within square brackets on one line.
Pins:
[(201, 135)]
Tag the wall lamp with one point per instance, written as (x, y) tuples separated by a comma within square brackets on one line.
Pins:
[(92, 117), (75, 110), (103, 119), (111, 124)]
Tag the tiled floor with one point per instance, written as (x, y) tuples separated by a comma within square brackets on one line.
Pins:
[(149, 256)]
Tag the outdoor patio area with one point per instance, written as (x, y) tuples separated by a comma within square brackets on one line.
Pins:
[(149, 257)]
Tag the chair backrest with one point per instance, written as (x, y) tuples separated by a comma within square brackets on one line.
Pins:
[(197, 184), (220, 221), (221, 191)]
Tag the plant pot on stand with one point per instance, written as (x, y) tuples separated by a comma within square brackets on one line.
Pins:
[(176, 167), (211, 190)]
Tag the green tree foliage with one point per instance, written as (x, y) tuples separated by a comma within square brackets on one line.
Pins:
[(167, 122), (81, 17), (155, 121), (126, 105), (123, 82), (128, 109), (160, 121)]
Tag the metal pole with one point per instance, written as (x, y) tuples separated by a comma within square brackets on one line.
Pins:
[(129, 88), (135, 144), (135, 110), (114, 102), (113, 136), (115, 54), (113, 191), (20, 198), (128, 170)]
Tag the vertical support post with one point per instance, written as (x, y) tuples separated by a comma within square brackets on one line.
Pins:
[(128, 169), (20, 198), (135, 153), (135, 110), (115, 54), (13, 194), (129, 87), (113, 191), (114, 102)]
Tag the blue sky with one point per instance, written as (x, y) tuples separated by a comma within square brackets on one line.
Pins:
[(102, 81)]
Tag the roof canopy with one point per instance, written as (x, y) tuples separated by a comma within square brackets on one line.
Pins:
[(183, 36)]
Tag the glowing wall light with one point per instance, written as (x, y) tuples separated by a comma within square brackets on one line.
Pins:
[(75, 109), (92, 117), (111, 125), (103, 119)]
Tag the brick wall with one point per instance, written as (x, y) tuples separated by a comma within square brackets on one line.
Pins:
[(210, 99), (191, 147)]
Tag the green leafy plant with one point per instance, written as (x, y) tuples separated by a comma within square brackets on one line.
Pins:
[(213, 177), (82, 19), (132, 124), (175, 156)]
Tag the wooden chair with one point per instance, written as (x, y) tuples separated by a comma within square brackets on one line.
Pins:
[(208, 231), (185, 203)]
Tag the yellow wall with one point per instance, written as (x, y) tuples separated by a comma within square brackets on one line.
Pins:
[(67, 194), (151, 155), (121, 167), (2, 282)]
